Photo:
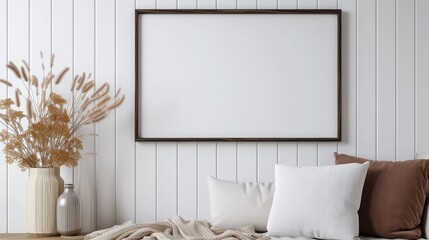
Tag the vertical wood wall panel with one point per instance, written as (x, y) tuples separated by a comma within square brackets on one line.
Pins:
[(227, 161), (145, 4), (187, 4), (40, 35), (307, 154), (325, 153), (125, 145), (405, 79), (267, 159), (146, 171), (288, 4), (247, 162), (166, 180), (206, 167), (327, 4), (422, 76), (384, 78), (246, 4), (226, 4), (18, 49), (105, 149), (206, 4), (307, 151), (386, 95), (166, 4), (62, 47), (349, 81), (307, 4), (187, 180), (3, 94), (84, 61), (288, 153), (366, 72), (267, 4), (325, 149)]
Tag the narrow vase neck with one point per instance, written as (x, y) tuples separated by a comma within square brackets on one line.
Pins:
[(68, 188)]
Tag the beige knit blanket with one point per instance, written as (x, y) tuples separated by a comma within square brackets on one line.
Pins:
[(175, 228)]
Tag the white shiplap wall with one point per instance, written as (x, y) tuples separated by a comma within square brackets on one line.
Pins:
[(385, 103)]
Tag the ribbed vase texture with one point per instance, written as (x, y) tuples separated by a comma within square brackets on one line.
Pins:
[(68, 212), (44, 185)]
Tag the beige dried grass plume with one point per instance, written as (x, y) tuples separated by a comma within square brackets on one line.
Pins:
[(44, 133)]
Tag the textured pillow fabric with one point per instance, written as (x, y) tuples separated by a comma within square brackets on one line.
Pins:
[(424, 222), (234, 205), (393, 197), (317, 202)]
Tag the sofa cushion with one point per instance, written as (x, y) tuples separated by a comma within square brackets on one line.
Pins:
[(318, 202), (393, 197), (424, 223), (234, 205)]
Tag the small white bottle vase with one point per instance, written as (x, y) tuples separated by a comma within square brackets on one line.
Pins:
[(68, 212)]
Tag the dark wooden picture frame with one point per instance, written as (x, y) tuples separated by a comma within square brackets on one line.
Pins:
[(138, 137)]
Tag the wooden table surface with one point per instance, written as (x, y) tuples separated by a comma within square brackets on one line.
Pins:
[(24, 236)]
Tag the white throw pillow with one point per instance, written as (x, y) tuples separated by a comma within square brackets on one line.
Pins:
[(317, 202), (234, 205)]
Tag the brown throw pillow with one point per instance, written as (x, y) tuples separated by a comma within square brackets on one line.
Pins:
[(393, 197)]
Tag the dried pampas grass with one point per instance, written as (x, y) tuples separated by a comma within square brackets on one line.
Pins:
[(43, 134), (61, 75), (29, 109), (26, 65), (14, 69), (17, 97), (7, 83), (88, 86)]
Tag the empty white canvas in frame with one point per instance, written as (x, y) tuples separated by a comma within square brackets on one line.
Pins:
[(238, 76)]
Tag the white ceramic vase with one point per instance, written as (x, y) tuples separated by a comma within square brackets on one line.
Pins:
[(44, 185), (68, 212)]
